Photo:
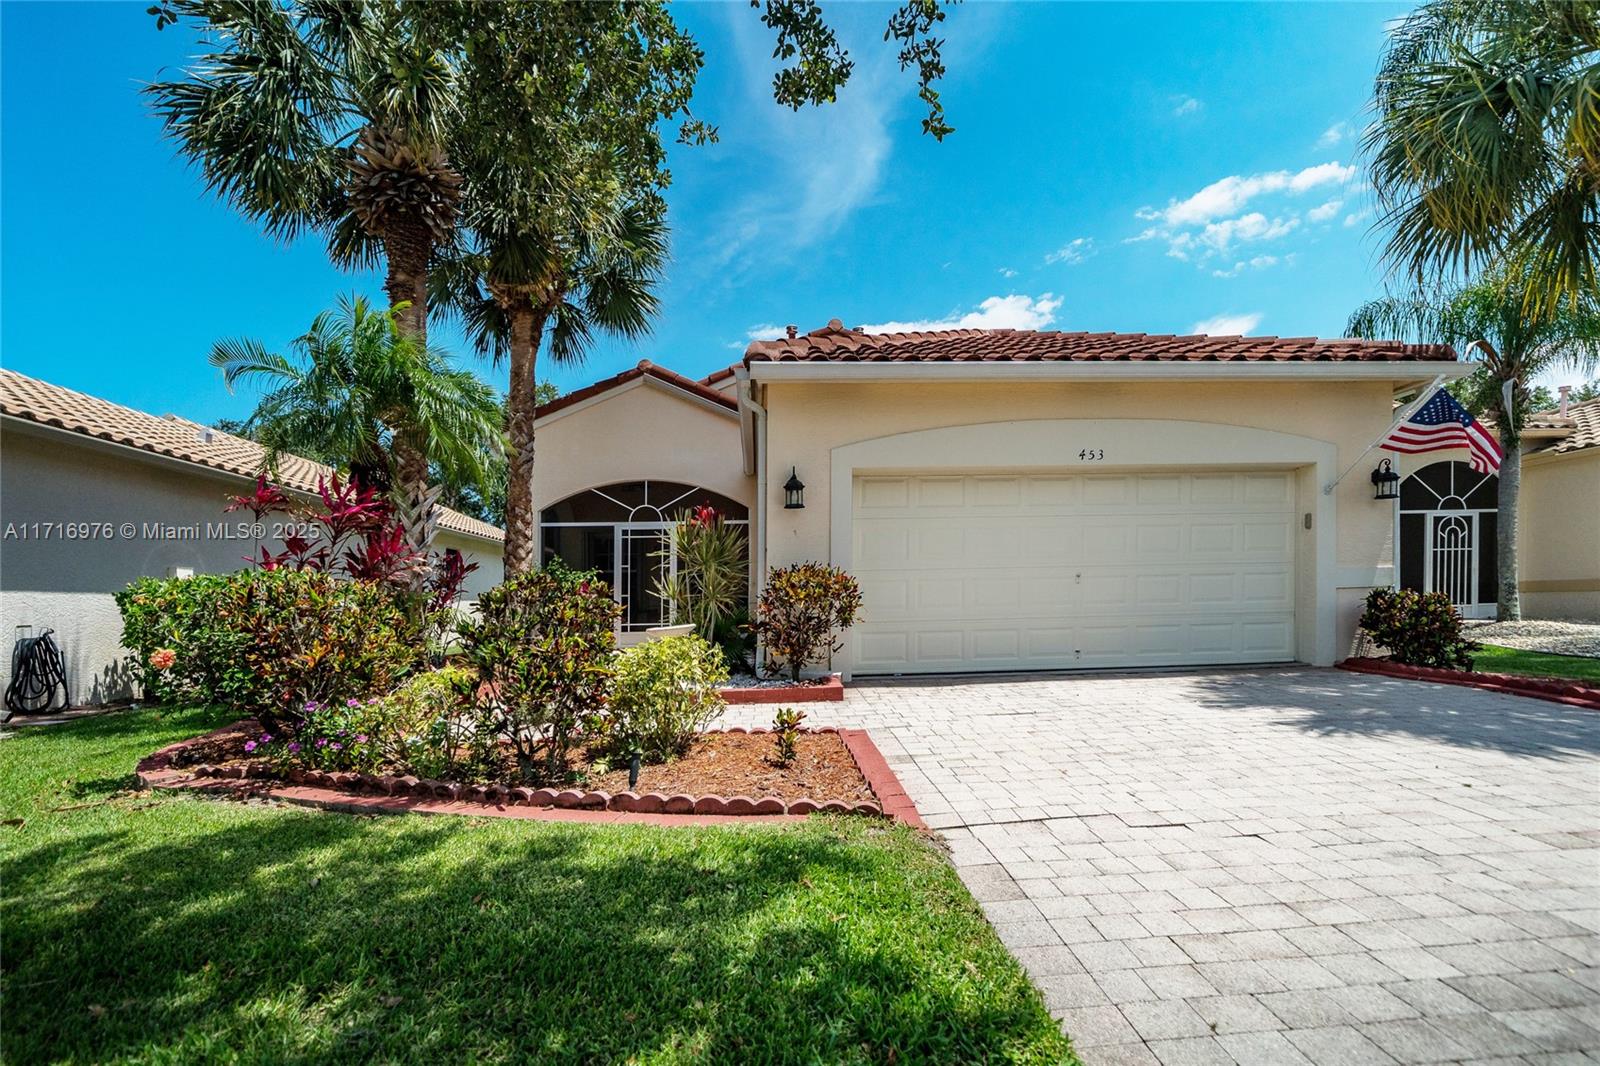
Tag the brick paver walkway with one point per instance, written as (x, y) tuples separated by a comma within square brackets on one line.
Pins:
[(1278, 866)]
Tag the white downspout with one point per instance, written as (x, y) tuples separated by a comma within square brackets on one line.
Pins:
[(758, 534)]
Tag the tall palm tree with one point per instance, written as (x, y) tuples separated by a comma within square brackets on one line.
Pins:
[(521, 289), (1486, 144), (327, 117), (1487, 318), (358, 384)]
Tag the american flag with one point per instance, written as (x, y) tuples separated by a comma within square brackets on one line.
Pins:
[(1442, 423)]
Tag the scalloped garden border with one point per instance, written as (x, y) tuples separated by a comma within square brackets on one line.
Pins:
[(1570, 693), (830, 691), (368, 794)]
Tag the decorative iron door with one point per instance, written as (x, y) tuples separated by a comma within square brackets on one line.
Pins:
[(1452, 559)]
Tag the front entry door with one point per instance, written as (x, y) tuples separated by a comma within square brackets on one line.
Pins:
[(1452, 561)]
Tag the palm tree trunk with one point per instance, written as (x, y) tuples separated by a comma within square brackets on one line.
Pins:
[(522, 526), (407, 248), (413, 484), (1509, 605)]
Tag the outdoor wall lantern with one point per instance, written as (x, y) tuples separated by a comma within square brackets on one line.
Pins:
[(794, 491), (1385, 482)]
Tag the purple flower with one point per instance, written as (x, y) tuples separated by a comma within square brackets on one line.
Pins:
[(311, 705), (338, 747), (322, 742), (249, 745), (266, 738), (352, 703), (293, 747), (361, 738)]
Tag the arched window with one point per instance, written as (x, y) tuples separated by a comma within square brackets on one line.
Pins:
[(1448, 529), (624, 532)]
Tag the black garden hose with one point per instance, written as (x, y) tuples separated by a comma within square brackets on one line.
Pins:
[(37, 670)]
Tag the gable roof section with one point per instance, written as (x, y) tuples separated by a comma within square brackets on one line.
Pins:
[(38, 401), (834, 343), (645, 369)]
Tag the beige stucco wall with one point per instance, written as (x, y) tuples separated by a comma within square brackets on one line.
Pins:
[(1348, 551), (1559, 536), (644, 431), (67, 584)]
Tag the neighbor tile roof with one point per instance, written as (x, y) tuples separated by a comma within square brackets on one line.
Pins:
[(1584, 418), (178, 438), (834, 343), (645, 368)]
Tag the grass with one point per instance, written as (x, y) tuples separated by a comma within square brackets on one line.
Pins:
[(1492, 658), (159, 928)]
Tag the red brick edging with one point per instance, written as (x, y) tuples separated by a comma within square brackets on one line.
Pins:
[(366, 794), (830, 691), (1571, 693)]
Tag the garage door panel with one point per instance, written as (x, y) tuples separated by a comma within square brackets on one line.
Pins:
[(1041, 571)]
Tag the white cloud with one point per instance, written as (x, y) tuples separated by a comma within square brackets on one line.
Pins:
[(1073, 252), (1335, 133), (1228, 325), (764, 332), (1228, 195), (1356, 217), (997, 312), (1007, 272), (1260, 262), (1255, 226), (1185, 105), (1325, 211)]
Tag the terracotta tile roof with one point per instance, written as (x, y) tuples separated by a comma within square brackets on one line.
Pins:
[(716, 377), (645, 367), (1583, 418), (178, 438), (834, 343)]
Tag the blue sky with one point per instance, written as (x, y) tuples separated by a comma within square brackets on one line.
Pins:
[(1137, 167)]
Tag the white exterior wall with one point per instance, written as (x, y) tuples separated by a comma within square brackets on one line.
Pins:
[(49, 476)]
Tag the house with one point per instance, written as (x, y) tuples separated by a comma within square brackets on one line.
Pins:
[(1448, 513), (94, 495), (1012, 499)]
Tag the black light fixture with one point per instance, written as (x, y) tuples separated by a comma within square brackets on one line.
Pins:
[(794, 491), (1385, 482)]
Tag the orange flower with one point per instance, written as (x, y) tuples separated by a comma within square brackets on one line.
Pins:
[(163, 658)]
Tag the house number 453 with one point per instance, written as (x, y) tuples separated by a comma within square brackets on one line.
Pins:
[(1092, 455)]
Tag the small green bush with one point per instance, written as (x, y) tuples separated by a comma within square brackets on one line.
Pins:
[(541, 645), (427, 727), (663, 692), (1418, 628), (267, 642), (786, 734), (801, 608)]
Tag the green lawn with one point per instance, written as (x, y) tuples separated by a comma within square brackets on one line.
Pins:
[(176, 929), (1494, 659)]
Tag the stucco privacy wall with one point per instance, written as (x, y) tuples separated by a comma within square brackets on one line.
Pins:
[(67, 585), (1322, 426), (1559, 536), (642, 431)]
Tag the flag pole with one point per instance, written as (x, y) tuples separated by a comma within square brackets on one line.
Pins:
[(1405, 412)]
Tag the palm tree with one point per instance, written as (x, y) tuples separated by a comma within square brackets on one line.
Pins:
[(330, 118), (357, 386), (521, 289), (1487, 317), (1486, 144)]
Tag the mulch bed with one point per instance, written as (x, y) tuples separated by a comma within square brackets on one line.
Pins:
[(1555, 690), (743, 764)]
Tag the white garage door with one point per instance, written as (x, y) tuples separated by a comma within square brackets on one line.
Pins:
[(965, 572)]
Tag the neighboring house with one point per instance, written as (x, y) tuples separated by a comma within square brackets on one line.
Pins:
[(1011, 499), (94, 495), (1449, 513)]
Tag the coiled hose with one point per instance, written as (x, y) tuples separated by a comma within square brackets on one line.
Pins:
[(37, 670)]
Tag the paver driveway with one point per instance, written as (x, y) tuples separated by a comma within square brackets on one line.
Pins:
[(1273, 866)]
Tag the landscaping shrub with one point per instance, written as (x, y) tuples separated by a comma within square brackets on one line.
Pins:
[(786, 733), (801, 608), (663, 693), (542, 645), (712, 574), (267, 642), (1418, 628), (427, 726), (329, 737), (737, 641)]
